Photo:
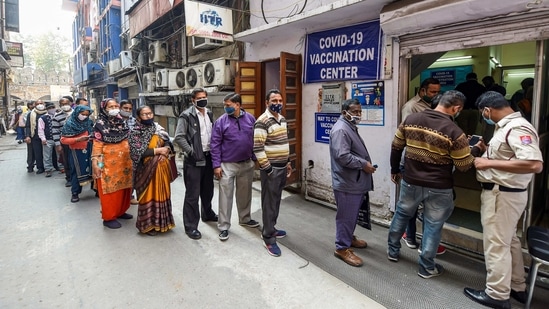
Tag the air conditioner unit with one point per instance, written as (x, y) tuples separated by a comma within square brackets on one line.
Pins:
[(113, 66), (176, 79), (125, 59), (162, 78), (206, 43), (158, 52), (194, 76), (219, 72), (134, 42), (149, 81)]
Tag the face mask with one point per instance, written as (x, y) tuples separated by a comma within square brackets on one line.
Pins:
[(457, 114), (277, 108), (40, 107), (147, 122), (82, 117), (51, 111), (229, 110), (488, 120), (114, 112), (202, 103), (66, 108), (354, 119), (125, 114), (427, 99)]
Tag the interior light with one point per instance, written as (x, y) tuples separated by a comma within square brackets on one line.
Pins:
[(454, 58), (495, 62), (521, 74)]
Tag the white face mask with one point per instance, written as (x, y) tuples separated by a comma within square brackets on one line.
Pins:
[(40, 107), (114, 112), (82, 117), (66, 108)]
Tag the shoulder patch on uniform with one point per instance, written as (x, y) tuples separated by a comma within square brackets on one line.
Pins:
[(526, 139)]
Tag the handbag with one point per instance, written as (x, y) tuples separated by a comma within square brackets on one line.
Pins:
[(173, 168), (364, 213)]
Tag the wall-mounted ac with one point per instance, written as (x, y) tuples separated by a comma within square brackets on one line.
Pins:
[(125, 59), (206, 43), (113, 66), (194, 76), (134, 42), (162, 78), (149, 81), (158, 52), (219, 72), (177, 79)]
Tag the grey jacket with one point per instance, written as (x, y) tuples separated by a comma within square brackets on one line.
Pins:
[(348, 156)]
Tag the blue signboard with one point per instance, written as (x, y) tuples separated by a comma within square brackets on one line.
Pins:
[(449, 77), (350, 53), (323, 125)]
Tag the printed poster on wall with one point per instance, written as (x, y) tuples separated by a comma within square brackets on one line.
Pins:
[(449, 77), (323, 125), (371, 96), (349, 53)]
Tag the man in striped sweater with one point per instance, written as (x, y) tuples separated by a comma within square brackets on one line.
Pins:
[(272, 151), (57, 123)]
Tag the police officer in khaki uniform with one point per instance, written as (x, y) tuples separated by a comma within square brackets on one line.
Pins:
[(504, 171)]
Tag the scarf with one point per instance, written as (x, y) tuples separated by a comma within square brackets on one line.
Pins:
[(140, 138), (34, 115), (110, 129), (74, 126)]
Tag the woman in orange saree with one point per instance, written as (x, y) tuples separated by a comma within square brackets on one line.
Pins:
[(150, 150)]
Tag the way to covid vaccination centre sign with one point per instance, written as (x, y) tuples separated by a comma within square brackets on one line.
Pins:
[(350, 53)]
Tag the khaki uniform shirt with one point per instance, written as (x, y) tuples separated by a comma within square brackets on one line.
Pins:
[(514, 139), (414, 105)]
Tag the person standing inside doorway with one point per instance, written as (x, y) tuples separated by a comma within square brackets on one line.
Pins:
[(272, 150), (469, 117), (352, 179), (193, 135), (504, 171)]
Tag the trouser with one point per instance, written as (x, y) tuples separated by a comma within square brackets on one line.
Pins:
[(198, 184), (47, 153), (76, 188), (468, 120), (243, 175), (348, 205), (271, 194), (38, 152), (30, 157), (67, 166), (499, 214)]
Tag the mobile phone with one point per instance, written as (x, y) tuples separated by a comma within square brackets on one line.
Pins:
[(474, 140)]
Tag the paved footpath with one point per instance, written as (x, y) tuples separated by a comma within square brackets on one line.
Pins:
[(56, 254)]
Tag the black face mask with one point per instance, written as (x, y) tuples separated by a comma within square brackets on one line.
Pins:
[(147, 122), (202, 103)]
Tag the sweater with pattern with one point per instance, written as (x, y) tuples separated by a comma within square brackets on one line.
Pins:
[(271, 146)]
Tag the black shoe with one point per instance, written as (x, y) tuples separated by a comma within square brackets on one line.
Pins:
[(68, 184), (112, 224), (48, 174), (519, 296), (480, 297), (40, 172), (125, 216), (194, 234), (224, 235), (212, 219), (75, 198), (30, 170)]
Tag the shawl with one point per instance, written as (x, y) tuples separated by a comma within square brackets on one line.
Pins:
[(110, 129), (140, 138), (74, 126), (34, 115)]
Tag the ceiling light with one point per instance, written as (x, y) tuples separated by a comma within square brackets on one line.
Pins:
[(454, 58), (495, 61), (521, 74)]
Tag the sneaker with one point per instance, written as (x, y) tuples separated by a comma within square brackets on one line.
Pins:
[(75, 198), (224, 235), (48, 174), (409, 242), (68, 184), (430, 273), (440, 250), (280, 234), (112, 224), (392, 258), (251, 223), (273, 249)]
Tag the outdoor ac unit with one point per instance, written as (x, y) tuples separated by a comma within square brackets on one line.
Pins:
[(113, 66), (134, 42), (162, 78), (194, 76), (219, 72), (148, 82), (176, 79), (125, 59), (206, 43), (158, 52)]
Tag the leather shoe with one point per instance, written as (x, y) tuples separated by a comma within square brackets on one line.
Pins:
[(212, 219), (194, 234), (358, 243), (519, 296), (348, 256), (482, 298)]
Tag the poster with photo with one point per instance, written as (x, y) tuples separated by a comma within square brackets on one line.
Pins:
[(371, 96)]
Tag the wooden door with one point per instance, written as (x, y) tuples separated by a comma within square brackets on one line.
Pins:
[(290, 87), (248, 84)]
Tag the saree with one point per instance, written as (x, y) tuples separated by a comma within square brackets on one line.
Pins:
[(152, 184)]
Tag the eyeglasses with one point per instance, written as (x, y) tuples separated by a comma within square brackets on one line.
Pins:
[(147, 114)]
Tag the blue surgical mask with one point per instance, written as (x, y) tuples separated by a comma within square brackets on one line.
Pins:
[(229, 110), (488, 120), (277, 108)]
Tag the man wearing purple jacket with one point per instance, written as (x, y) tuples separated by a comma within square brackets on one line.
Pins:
[(233, 161)]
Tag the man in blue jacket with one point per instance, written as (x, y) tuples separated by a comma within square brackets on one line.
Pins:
[(352, 179)]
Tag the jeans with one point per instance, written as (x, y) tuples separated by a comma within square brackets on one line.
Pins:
[(437, 207)]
